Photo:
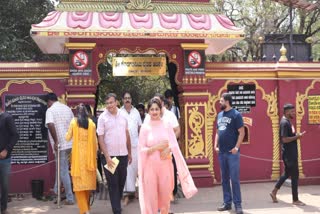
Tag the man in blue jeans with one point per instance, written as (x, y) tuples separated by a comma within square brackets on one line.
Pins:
[(8, 138), (227, 143), (58, 118)]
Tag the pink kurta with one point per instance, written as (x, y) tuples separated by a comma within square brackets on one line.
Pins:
[(156, 180)]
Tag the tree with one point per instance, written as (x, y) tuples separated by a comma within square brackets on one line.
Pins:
[(261, 17), (142, 89), (16, 44), (16, 18)]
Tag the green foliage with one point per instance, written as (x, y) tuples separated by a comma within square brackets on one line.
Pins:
[(16, 18), (259, 18), (16, 44), (142, 89)]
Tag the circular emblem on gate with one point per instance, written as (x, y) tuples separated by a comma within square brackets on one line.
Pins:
[(80, 60), (194, 59)]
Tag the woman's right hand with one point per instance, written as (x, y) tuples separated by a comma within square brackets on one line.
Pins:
[(165, 154), (162, 145)]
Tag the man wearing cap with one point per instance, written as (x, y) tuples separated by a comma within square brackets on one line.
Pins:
[(288, 141)]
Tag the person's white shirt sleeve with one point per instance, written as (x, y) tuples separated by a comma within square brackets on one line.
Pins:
[(174, 121), (49, 117), (100, 126)]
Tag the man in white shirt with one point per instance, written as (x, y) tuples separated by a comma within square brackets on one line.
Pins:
[(58, 118), (134, 124), (114, 141), (172, 107)]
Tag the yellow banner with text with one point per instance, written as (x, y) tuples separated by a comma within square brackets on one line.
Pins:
[(139, 66), (314, 109)]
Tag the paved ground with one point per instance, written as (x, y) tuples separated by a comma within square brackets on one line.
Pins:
[(256, 200)]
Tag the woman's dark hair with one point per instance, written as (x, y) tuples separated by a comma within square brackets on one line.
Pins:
[(88, 107), (82, 116), (156, 101)]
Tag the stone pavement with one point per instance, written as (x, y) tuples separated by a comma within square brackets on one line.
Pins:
[(255, 196)]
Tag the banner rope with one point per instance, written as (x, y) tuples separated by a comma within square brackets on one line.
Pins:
[(269, 160), (31, 168)]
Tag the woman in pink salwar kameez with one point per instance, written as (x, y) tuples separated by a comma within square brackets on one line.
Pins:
[(156, 143)]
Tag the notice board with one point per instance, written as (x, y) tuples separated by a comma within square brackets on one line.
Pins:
[(29, 112)]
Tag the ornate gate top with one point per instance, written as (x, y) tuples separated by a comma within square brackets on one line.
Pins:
[(159, 6)]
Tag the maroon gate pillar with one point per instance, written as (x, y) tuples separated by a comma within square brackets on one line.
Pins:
[(196, 142), (81, 85)]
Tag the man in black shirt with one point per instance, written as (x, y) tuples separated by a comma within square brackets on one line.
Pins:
[(288, 141), (8, 138)]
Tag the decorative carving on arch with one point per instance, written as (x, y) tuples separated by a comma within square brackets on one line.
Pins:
[(300, 112), (211, 117), (272, 112), (20, 82), (195, 144), (246, 139), (247, 124), (140, 5), (62, 98)]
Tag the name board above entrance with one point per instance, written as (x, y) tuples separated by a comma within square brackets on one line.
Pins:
[(28, 112), (243, 96), (80, 63), (139, 66), (314, 109)]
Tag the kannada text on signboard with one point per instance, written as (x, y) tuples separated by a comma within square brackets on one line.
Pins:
[(28, 112)]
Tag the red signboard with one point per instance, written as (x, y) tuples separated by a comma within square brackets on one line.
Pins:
[(80, 63), (80, 60), (194, 62), (194, 59)]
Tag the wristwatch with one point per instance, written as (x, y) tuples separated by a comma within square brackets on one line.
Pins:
[(236, 148)]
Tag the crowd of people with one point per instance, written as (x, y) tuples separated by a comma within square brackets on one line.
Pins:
[(124, 139), (138, 151)]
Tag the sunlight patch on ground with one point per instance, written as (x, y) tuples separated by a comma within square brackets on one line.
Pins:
[(31, 210)]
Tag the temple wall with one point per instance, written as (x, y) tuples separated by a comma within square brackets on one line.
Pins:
[(298, 92), (23, 174), (26, 81), (260, 158), (260, 132), (199, 96)]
